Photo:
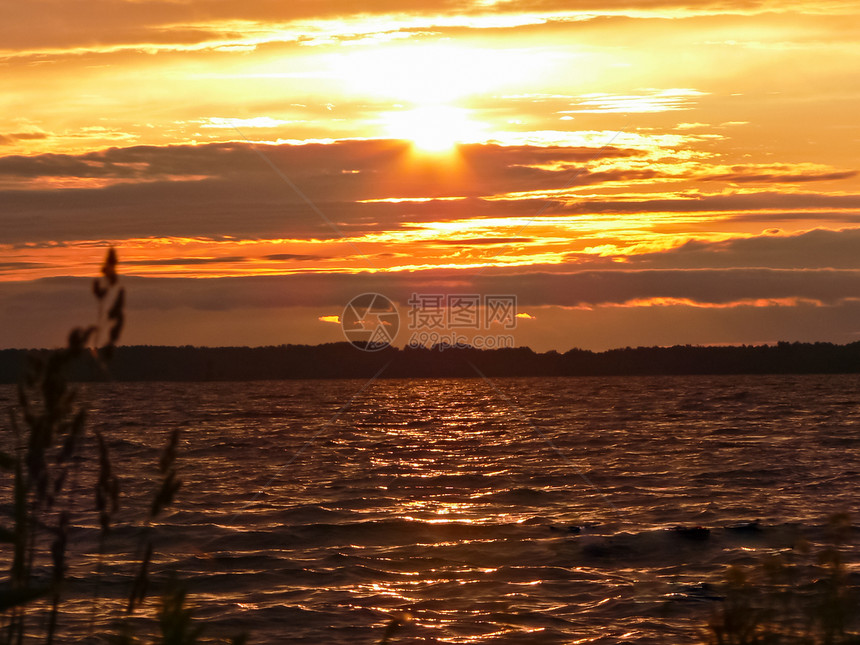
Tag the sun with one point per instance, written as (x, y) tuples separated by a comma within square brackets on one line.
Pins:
[(433, 128)]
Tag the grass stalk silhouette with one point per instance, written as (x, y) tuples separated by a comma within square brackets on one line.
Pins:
[(46, 446), (801, 597)]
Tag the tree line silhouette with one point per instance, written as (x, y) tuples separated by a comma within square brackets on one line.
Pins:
[(342, 360)]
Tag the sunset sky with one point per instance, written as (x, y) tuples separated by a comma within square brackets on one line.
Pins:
[(648, 172)]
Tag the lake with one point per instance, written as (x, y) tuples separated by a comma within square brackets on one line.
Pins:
[(523, 510)]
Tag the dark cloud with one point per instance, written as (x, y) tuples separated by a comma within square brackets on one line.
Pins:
[(19, 266), (816, 249), (804, 216), (186, 261), (278, 309), (229, 189), (217, 209), (753, 175), (27, 136), (537, 288), (339, 163), (140, 162), (12, 137), (707, 286), (61, 165), (294, 256), (760, 201), (478, 241)]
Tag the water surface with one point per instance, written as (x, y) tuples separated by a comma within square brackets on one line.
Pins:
[(517, 511)]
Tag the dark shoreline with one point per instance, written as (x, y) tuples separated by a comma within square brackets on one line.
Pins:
[(341, 360)]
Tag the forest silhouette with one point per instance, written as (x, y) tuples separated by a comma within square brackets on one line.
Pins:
[(343, 360)]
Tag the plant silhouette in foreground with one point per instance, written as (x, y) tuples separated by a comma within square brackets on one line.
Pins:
[(48, 460), (803, 597)]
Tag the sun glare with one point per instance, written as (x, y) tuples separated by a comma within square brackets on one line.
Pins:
[(427, 74), (433, 128)]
